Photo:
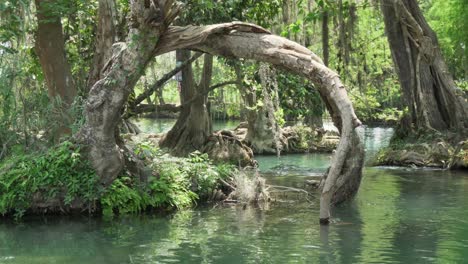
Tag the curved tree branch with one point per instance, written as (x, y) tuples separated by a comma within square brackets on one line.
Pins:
[(235, 40), (242, 40)]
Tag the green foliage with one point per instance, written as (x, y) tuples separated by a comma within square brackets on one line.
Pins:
[(123, 197), (298, 97), (209, 12), (369, 75), (175, 183), (463, 85), (28, 117), (448, 18), (305, 137), (61, 173)]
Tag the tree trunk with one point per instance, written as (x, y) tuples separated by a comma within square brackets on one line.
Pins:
[(108, 96), (106, 36), (433, 101), (264, 134), (193, 125), (241, 40), (50, 48), (235, 40)]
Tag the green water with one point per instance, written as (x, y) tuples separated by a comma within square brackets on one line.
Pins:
[(398, 216)]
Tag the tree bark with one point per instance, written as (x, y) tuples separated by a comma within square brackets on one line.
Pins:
[(106, 36), (433, 101), (50, 48), (241, 40), (264, 135), (108, 96)]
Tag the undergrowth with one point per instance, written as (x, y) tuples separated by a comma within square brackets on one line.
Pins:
[(176, 183), (59, 173), (63, 174)]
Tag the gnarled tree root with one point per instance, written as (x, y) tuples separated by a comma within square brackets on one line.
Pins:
[(223, 146)]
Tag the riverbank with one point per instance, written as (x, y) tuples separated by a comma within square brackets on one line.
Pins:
[(422, 209), (434, 152), (61, 181)]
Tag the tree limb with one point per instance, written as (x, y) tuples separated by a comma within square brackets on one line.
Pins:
[(146, 108), (163, 80), (212, 88)]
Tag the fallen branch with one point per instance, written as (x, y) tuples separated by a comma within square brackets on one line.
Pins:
[(146, 108)]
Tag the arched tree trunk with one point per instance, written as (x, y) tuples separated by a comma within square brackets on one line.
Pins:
[(193, 125), (428, 89), (148, 37), (240, 40)]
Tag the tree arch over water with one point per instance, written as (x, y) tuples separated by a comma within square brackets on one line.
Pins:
[(150, 35)]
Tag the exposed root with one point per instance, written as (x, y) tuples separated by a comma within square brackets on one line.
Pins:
[(223, 146), (128, 127)]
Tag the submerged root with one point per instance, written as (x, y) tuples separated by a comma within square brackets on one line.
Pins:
[(281, 192)]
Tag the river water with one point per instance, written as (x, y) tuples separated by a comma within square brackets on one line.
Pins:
[(399, 216)]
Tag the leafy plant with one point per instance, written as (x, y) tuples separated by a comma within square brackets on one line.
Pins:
[(61, 173), (176, 183)]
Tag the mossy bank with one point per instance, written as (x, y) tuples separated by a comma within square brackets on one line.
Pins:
[(435, 150)]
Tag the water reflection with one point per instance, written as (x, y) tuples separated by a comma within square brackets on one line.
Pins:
[(397, 216)]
